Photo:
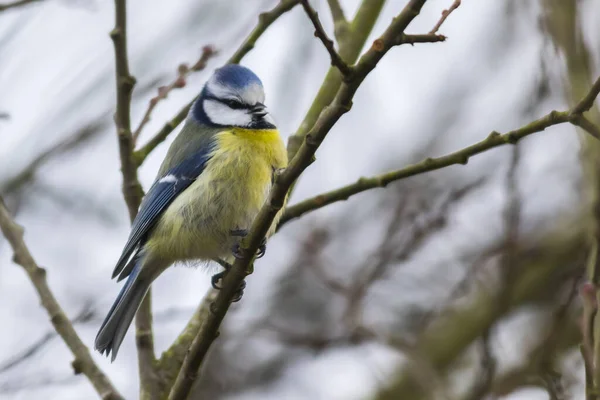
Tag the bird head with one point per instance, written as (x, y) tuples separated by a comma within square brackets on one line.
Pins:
[(233, 96)]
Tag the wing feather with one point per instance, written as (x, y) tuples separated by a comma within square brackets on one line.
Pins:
[(164, 190)]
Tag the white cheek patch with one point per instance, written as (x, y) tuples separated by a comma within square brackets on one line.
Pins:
[(220, 114)]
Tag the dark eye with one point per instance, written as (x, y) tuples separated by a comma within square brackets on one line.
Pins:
[(235, 104)]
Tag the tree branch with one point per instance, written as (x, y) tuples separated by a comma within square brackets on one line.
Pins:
[(585, 124), (351, 40), (132, 192), (264, 21), (337, 12), (336, 59), (20, 3), (420, 38), (282, 183), (445, 15), (587, 102), (125, 83), (171, 360), (83, 362), (493, 140)]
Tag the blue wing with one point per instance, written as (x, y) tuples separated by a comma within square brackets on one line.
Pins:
[(164, 190)]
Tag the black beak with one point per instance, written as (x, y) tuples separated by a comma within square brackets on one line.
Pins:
[(258, 110)]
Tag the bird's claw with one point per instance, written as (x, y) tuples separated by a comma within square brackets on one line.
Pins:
[(262, 248), (239, 293), (214, 281), (237, 251), (239, 232)]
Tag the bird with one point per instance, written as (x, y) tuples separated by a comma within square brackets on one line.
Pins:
[(215, 178)]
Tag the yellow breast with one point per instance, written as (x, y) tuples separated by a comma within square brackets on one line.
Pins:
[(263, 144), (226, 196), (246, 159)]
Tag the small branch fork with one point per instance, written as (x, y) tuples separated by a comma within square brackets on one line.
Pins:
[(336, 59), (83, 363), (346, 70)]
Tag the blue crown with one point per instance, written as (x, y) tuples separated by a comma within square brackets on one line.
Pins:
[(236, 76)]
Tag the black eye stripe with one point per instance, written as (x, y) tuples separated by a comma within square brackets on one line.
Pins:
[(234, 104)]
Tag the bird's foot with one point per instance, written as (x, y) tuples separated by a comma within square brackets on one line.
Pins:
[(216, 278), (236, 250)]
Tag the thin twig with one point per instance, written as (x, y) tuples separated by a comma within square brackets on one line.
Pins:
[(445, 15), (351, 40), (282, 183), (587, 102), (183, 71), (585, 124), (486, 370), (171, 360), (337, 12), (494, 139), (336, 59), (125, 83), (421, 38), (4, 7), (83, 362), (264, 21), (132, 192)]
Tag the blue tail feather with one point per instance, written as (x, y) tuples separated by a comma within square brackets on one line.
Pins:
[(117, 322)]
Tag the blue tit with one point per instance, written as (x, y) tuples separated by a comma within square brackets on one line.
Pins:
[(214, 180)]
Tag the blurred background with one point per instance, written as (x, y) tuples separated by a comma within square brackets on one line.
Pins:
[(466, 278)]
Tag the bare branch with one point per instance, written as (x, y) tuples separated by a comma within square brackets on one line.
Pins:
[(171, 360), (132, 191), (264, 21), (282, 183), (420, 38), (445, 15), (337, 12), (585, 124), (125, 82), (183, 71), (83, 362), (461, 157), (336, 59), (587, 102), (15, 4), (352, 37)]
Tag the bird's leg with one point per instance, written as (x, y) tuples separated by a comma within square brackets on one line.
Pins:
[(214, 281), (262, 248)]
